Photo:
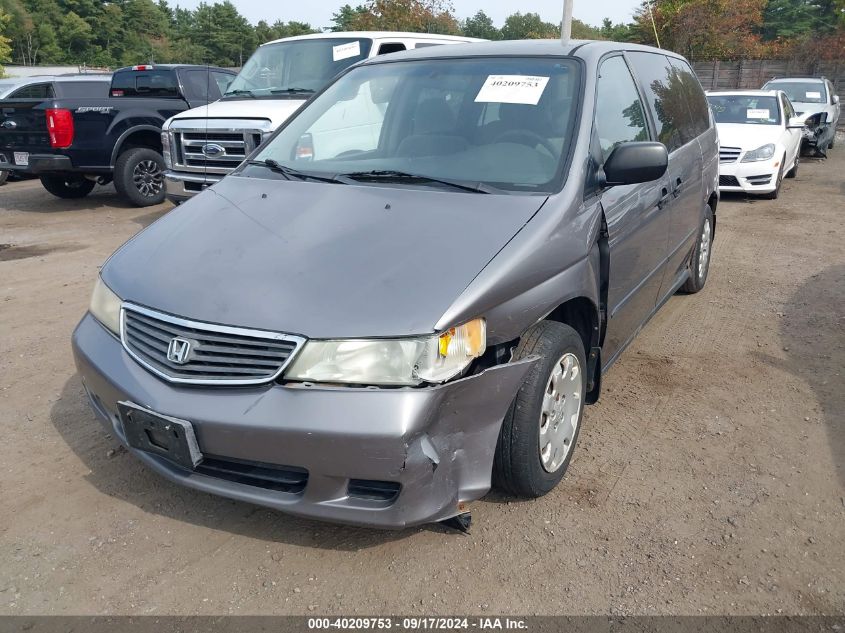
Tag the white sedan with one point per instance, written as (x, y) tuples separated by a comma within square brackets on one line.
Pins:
[(759, 137)]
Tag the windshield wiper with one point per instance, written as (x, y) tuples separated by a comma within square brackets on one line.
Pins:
[(390, 174), (239, 93), (291, 91), (290, 173)]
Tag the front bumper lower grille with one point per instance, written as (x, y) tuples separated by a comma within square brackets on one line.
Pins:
[(184, 351), (728, 181)]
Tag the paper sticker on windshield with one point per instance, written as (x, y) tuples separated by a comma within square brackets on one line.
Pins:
[(755, 113), (345, 51), (814, 95), (522, 89)]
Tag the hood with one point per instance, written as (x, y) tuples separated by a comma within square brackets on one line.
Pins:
[(808, 109), (277, 111), (747, 136), (320, 260)]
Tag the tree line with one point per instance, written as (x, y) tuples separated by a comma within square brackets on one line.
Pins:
[(113, 33)]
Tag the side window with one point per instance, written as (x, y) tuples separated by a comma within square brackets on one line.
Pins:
[(35, 91), (788, 111), (694, 94), (664, 95), (620, 117), (222, 80), (391, 47), (200, 84), (83, 89)]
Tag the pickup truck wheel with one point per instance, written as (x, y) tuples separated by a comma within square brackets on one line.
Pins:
[(541, 427), (139, 176), (67, 186), (700, 260), (4, 176)]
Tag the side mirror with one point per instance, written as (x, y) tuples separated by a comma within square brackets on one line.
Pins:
[(636, 162), (796, 123), (835, 99)]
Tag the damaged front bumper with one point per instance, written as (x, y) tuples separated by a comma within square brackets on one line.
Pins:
[(432, 448), (758, 177), (818, 133)]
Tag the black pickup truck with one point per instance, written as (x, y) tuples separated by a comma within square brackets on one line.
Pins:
[(72, 143)]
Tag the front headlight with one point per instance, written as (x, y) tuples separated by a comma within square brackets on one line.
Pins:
[(105, 306), (407, 361), (761, 153), (165, 150)]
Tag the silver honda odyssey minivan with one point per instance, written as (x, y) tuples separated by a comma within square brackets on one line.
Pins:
[(409, 293)]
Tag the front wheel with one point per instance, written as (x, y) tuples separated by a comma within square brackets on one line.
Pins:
[(773, 195), (4, 176), (792, 173), (539, 432), (68, 186), (139, 176), (700, 260)]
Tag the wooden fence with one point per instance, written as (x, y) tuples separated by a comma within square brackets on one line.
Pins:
[(748, 74)]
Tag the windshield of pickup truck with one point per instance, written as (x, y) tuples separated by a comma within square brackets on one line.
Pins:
[(504, 123), (296, 68), (800, 91), (751, 110)]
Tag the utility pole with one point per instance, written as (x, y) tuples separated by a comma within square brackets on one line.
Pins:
[(566, 22)]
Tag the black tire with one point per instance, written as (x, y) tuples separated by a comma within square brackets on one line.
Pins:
[(773, 195), (139, 176), (698, 272), (792, 173), (67, 186), (4, 176), (518, 466)]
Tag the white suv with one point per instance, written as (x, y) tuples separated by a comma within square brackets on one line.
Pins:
[(204, 144), (814, 99)]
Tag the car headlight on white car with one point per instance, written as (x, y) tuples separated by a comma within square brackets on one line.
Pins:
[(105, 306), (761, 153), (403, 361)]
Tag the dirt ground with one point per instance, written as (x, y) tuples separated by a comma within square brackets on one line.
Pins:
[(709, 479)]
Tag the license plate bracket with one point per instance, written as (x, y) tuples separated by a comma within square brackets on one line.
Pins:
[(162, 435), (21, 158)]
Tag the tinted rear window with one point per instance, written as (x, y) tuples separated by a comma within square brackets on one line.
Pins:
[(145, 83), (83, 89)]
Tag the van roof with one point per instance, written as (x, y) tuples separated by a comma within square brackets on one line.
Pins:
[(376, 35), (552, 48)]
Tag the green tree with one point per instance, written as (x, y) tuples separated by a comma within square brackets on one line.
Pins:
[(5, 48), (420, 16), (525, 26), (615, 32), (75, 38), (227, 36), (481, 25), (344, 18)]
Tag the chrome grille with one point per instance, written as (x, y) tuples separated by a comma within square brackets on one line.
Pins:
[(187, 143), (729, 154), (236, 147), (217, 354)]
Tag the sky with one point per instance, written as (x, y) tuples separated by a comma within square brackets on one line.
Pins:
[(318, 13)]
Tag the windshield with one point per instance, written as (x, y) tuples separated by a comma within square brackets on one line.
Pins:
[(503, 122), (297, 66), (745, 109), (801, 91)]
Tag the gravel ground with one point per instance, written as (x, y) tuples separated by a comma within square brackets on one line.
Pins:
[(709, 479)]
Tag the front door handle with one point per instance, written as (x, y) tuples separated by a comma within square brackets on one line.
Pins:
[(676, 190), (664, 198)]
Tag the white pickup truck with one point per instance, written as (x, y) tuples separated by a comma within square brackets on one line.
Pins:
[(204, 144)]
